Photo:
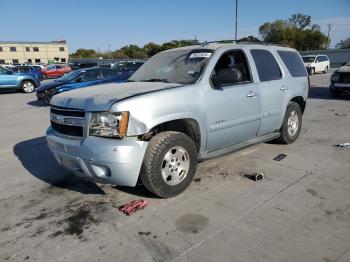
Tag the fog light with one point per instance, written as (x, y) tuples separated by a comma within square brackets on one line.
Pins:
[(101, 171)]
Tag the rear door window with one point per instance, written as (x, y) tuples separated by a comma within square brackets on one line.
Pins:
[(91, 75), (293, 62), (266, 65)]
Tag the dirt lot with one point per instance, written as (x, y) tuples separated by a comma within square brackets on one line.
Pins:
[(300, 212)]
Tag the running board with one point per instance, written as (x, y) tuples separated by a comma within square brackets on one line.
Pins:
[(230, 149)]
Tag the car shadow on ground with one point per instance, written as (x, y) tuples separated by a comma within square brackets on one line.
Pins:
[(36, 157), (8, 91), (324, 93), (38, 103)]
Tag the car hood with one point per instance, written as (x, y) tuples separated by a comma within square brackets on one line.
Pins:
[(344, 69), (102, 97), (50, 85), (307, 64)]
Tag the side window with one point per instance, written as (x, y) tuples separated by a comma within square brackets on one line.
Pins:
[(3, 71), (266, 64), (106, 73), (232, 63), (91, 75), (293, 62)]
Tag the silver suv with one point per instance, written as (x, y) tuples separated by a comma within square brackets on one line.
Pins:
[(181, 106)]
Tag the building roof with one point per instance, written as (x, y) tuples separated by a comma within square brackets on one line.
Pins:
[(34, 43)]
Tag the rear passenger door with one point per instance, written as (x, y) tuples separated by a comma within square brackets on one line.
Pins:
[(272, 89)]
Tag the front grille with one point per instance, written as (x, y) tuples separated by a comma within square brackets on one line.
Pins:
[(67, 121), (344, 78)]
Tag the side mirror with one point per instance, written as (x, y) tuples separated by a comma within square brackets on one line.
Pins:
[(226, 77)]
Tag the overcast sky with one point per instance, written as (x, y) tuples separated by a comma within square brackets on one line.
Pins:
[(101, 24)]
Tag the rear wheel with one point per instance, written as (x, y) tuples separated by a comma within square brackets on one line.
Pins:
[(169, 164), (291, 126), (28, 86)]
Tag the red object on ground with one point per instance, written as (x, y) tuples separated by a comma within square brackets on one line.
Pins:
[(133, 206)]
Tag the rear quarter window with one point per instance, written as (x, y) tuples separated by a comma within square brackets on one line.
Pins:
[(266, 64), (293, 62)]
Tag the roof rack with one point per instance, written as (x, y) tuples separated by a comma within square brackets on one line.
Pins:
[(240, 42), (219, 42)]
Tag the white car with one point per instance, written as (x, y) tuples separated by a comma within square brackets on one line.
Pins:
[(316, 63)]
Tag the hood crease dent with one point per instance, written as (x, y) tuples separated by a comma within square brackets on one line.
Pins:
[(102, 97)]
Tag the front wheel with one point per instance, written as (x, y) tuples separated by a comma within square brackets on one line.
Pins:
[(291, 126), (312, 71), (325, 70), (28, 86), (169, 164)]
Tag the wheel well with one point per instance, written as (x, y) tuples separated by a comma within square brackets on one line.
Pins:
[(300, 101), (187, 126)]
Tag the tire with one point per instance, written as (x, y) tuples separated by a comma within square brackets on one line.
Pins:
[(168, 155), (335, 93), (28, 86), (312, 71), (325, 70), (287, 136)]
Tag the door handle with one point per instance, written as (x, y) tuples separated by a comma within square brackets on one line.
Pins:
[(284, 88), (251, 94)]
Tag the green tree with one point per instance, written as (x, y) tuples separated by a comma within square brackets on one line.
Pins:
[(151, 49), (296, 32), (84, 53), (250, 38), (343, 43)]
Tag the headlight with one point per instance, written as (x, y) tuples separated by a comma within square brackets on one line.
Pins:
[(335, 77), (108, 124)]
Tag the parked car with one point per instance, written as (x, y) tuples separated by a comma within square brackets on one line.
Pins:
[(76, 65), (340, 80), (316, 63), (54, 71), (182, 105), (29, 70), (78, 79), (21, 81)]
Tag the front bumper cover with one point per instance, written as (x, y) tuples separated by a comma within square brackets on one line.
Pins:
[(102, 160)]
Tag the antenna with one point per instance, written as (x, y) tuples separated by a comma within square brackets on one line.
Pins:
[(236, 20)]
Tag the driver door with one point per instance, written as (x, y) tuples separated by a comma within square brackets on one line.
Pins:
[(233, 110)]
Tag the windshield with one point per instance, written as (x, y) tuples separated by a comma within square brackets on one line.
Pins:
[(183, 67), (308, 59), (70, 76)]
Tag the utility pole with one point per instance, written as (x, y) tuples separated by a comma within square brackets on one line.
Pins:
[(109, 51), (328, 41), (236, 20)]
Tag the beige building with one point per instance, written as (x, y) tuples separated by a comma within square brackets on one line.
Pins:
[(33, 52)]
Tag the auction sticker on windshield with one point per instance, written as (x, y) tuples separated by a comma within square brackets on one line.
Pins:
[(200, 55)]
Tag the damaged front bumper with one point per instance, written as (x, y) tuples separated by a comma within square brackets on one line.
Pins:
[(102, 160)]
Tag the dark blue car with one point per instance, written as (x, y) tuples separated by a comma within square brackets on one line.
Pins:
[(82, 78), (28, 70)]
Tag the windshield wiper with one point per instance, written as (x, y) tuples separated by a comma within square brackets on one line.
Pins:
[(155, 80), (130, 80)]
